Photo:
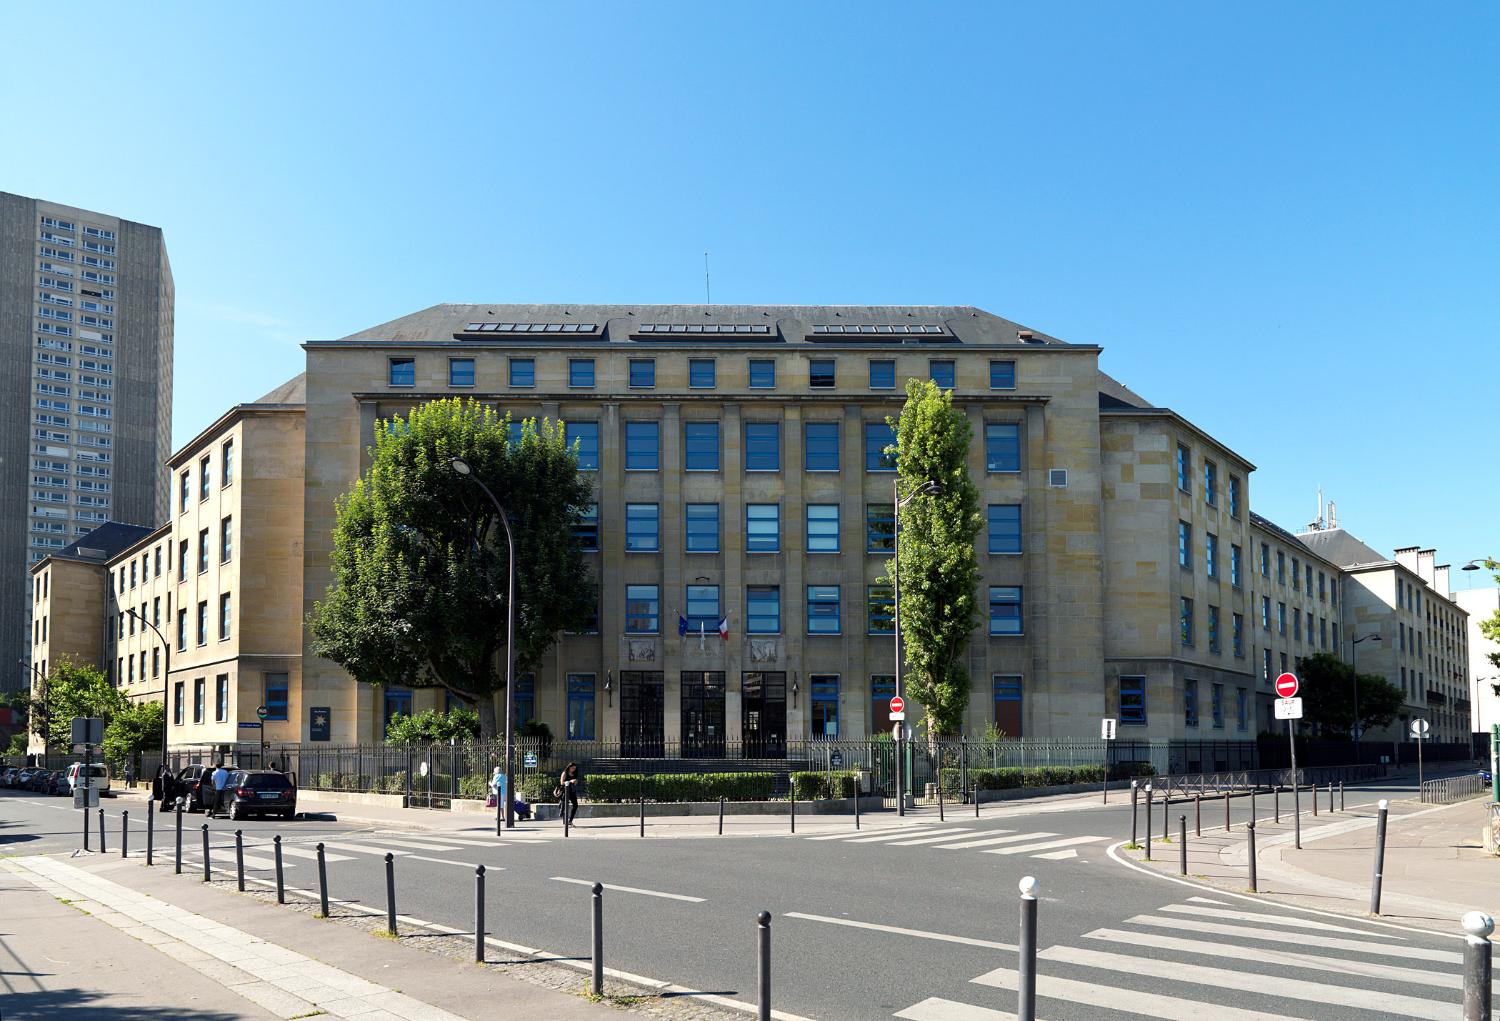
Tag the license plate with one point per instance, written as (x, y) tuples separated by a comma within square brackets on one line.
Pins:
[(269, 794)]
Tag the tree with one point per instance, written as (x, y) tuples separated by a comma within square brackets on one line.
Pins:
[(72, 690), (1327, 692), (433, 727), (132, 729), (420, 562), (1490, 626), (938, 569)]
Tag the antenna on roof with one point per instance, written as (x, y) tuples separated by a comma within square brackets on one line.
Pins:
[(708, 294), (1333, 515), (1318, 524)]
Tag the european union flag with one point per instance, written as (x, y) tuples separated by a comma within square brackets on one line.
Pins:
[(681, 626)]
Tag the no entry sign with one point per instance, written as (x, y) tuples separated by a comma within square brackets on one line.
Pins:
[(1286, 685), (898, 704)]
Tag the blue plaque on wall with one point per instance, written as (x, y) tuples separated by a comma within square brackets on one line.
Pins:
[(320, 723)]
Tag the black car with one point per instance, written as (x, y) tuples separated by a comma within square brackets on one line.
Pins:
[(262, 792), (195, 787)]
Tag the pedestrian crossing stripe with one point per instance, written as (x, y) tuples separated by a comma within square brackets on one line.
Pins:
[(935, 1008), (1046, 845), (986, 841), (1155, 1005), (311, 855), (1256, 916), (421, 845), (1300, 938)]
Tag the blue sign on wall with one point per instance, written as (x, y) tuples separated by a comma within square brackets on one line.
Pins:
[(320, 723)]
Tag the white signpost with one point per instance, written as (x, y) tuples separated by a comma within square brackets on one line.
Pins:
[(1419, 729), (1107, 734), (1289, 709), (1286, 686)]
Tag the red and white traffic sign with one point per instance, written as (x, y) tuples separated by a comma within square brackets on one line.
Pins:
[(898, 704), (1286, 685)]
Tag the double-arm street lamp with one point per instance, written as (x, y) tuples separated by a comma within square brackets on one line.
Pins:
[(1354, 666), (462, 467), (166, 676), (928, 488)]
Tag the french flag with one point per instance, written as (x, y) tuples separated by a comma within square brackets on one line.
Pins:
[(724, 628)]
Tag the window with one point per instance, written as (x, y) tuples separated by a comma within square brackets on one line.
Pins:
[(701, 373), (1005, 610), (820, 374), (642, 528), (586, 435), (130, 670), (1265, 561), (762, 374), (199, 690), (276, 696), (1005, 527), (882, 375), (1002, 375), (203, 622), (822, 609), (226, 476), (460, 372), (156, 662), (403, 372), (643, 372), (1184, 545), (156, 610), (702, 528), (1211, 553), (1238, 637), (1185, 621), (1213, 630), (879, 437), (581, 707), (177, 703), (1210, 483), (642, 446), (1322, 632), (1002, 447), (226, 540), (132, 573), (762, 528), (1296, 575), (941, 372), (202, 551), (181, 630), (822, 528), (1132, 700), (1234, 565), (203, 479), (1241, 709), (703, 609), (880, 528), (182, 560), (1297, 624), (523, 372), (580, 372), (642, 610), (763, 610), (396, 703), (1280, 568), (825, 704), (1234, 497), (524, 699), (587, 529), (880, 610), (820, 446), (882, 688), (1322, 587), (762, 446), (1265, 664), (1281, 618), (1216, 705), (700, 450), (1184, 469), (224, 615), (221, 698), (1336, 646), (1190, 703)]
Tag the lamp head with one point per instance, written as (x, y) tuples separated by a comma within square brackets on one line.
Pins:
[(932, 487), (461, 466)]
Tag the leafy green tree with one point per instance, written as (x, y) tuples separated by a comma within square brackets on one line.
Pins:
[(17, 745), (1327, 692), (72, 690), (432, 727), (420, 561), (1490, 626), (938, 569), (134, 727)]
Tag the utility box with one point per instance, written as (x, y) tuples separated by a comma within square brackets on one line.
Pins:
[(88, 730)]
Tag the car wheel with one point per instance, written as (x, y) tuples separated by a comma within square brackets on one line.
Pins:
[(235, 814)]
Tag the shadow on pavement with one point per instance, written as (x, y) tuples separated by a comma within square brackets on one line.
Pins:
[(81, 1004)]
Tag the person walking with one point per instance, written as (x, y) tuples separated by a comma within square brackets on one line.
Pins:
[(221, 784), (570, 785)]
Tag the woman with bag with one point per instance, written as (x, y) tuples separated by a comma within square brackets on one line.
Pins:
[(569, 786), (497, 784)]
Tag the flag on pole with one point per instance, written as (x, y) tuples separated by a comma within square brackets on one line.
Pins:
[(724, 628), (681, 626)]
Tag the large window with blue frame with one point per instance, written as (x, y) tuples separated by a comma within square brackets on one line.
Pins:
[(581, 707), (700, 449), (703, 609), (878, 437), (882, 374), (763, 610), (880, 527), (460, 372), (822, 609), (762, 528), (587, 529), (820, 373), (762, 446), (822, 528), (820, 446), (941, 372), (523, 700), (396, 702), (523, 372), (642, 610), (643, 372), (880, 608), (1132, 700), (701, 527), (642, 528), (1002, 375), (580, 372), (882, 689), (586, 435), (276, 696), (701, 373), (403, 372), (762, 374), (1005, 527), (642, 446), (1005, 610), (825, 704), (1002, 447)]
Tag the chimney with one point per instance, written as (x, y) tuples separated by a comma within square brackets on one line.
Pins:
[(1424, 565), (1440, 581), (1407, 558)]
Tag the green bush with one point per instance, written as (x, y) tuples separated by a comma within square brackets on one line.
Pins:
[(814, 786), (615, 788), (474, 786), (1011, 777), (1130, 770), (393, 783), (537, 789)]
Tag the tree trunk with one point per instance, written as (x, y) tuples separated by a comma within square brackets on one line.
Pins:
[(487, 725)]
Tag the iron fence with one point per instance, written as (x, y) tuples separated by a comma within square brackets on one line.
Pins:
[(1453, 788)]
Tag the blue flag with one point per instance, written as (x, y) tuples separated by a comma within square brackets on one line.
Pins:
[(681, 626)]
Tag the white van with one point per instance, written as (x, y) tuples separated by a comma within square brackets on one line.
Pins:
[(98, 777)]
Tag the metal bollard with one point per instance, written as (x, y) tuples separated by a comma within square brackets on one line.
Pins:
[(280, 885), (1182, 844), (794, 810), (85, 824), (643, 815), (239, 859), (1315, 800), (1165, 821), (1379, 858), (1330, 797), (101, 831), (178, 815), (763, 966), (1296, 812), (150, 830), (1026, 980), (721, 815), (1276, 804), (1477, 965), (125, 833), (976, 804), (1250, 831), (1226, 811), (1342, 807), (1134, 831), (597, 983), (479, 914), (322, 882), (207, 861), (1252, 804), (567, 823), (1198, 814), (940, 801), (857, 793), (390, 893), (1148, 822)]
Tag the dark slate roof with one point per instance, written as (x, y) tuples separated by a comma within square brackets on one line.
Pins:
[(788, 323), (1339, 546), (1114, 394), (293, 391), (110, 538)]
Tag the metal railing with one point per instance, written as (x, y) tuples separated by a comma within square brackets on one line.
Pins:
[(1243, 781), (1453, 788)]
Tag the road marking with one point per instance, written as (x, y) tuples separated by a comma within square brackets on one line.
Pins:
[(995, 840), (935, 1008), (1045, 845), (1207, 900), (951, 832), (1058, 855), (1254, 916), (903, 831), (931, 840), (1306, 939), (422, 845), (299, 852), (631, 889), (1250, 982), (449, 861), (379, 852), (1163, 1008), (941, 937)]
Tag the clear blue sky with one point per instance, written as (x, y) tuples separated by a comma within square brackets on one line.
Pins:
[(1278, 219)]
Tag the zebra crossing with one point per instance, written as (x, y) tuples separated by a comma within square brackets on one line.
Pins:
[(1032, 843), (338, 847), (1167, 965)]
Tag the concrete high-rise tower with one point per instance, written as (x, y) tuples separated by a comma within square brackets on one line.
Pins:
[(86, 319)]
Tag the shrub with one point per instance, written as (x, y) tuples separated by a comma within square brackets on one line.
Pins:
[(1010, 777), (813, 786), (537, 788), (393, 783), (473, 786), (615, 788)]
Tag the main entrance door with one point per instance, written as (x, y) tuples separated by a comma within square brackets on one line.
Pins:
[(642, 705), (703, 715), (763, 714)]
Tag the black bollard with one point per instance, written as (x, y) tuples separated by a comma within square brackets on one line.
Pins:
[(322, 882), (85, 822), (940, 800), (178, 815), (1379, 859), (239, 859), (1198, 814), (1148, 822), (794, 811), (390, 893), (479, 914), (643, 815), (1276, 803), (1134, 825), (976, 801), (721, 815), (1165, 821), (1330, 797), (1315, 799), (1342, 807), (763, 966), (207, 862), (1254, 882), (1182, 842), (1026, 978), (857, 793), (125, 833), (150, 830), (1478, 965), (1226, 811), (280, 884), (597, 980), (101, 831)]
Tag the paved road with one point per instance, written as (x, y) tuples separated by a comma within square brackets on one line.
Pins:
[(917, 922)]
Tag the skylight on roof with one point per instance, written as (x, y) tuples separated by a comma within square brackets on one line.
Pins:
[(715, 329), (904, 329), (531, 328)]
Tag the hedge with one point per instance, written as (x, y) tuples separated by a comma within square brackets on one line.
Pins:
[(813, 786), (1013, 777), (616, 788)]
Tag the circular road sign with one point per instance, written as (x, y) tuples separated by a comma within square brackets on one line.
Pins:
[(1419, 728), (898, 704), (262, 712), (1286, 685)]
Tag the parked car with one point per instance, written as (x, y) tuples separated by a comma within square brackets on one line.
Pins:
[(98, 778), (55, 784), (41, 780), (8, 776), (23, 777), (262, 792), (195, 782)]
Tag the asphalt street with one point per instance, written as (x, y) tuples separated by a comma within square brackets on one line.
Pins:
[(919, 922)]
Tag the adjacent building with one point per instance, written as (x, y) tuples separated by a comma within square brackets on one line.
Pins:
[(86, 331), (1481, 604)]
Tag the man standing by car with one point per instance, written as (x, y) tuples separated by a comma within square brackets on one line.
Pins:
[(221, 784)]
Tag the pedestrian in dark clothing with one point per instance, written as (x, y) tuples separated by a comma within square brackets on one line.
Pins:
[(570, 784)]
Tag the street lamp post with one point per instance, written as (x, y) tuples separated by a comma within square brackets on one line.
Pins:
[(928, 488), (462, 467), (37, 675), (166, 676), (1354, 666)]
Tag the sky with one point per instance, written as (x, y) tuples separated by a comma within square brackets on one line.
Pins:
[(1280, 220)]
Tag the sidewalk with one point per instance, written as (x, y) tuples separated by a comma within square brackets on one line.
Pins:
[(119, 940), (1435, 866)]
